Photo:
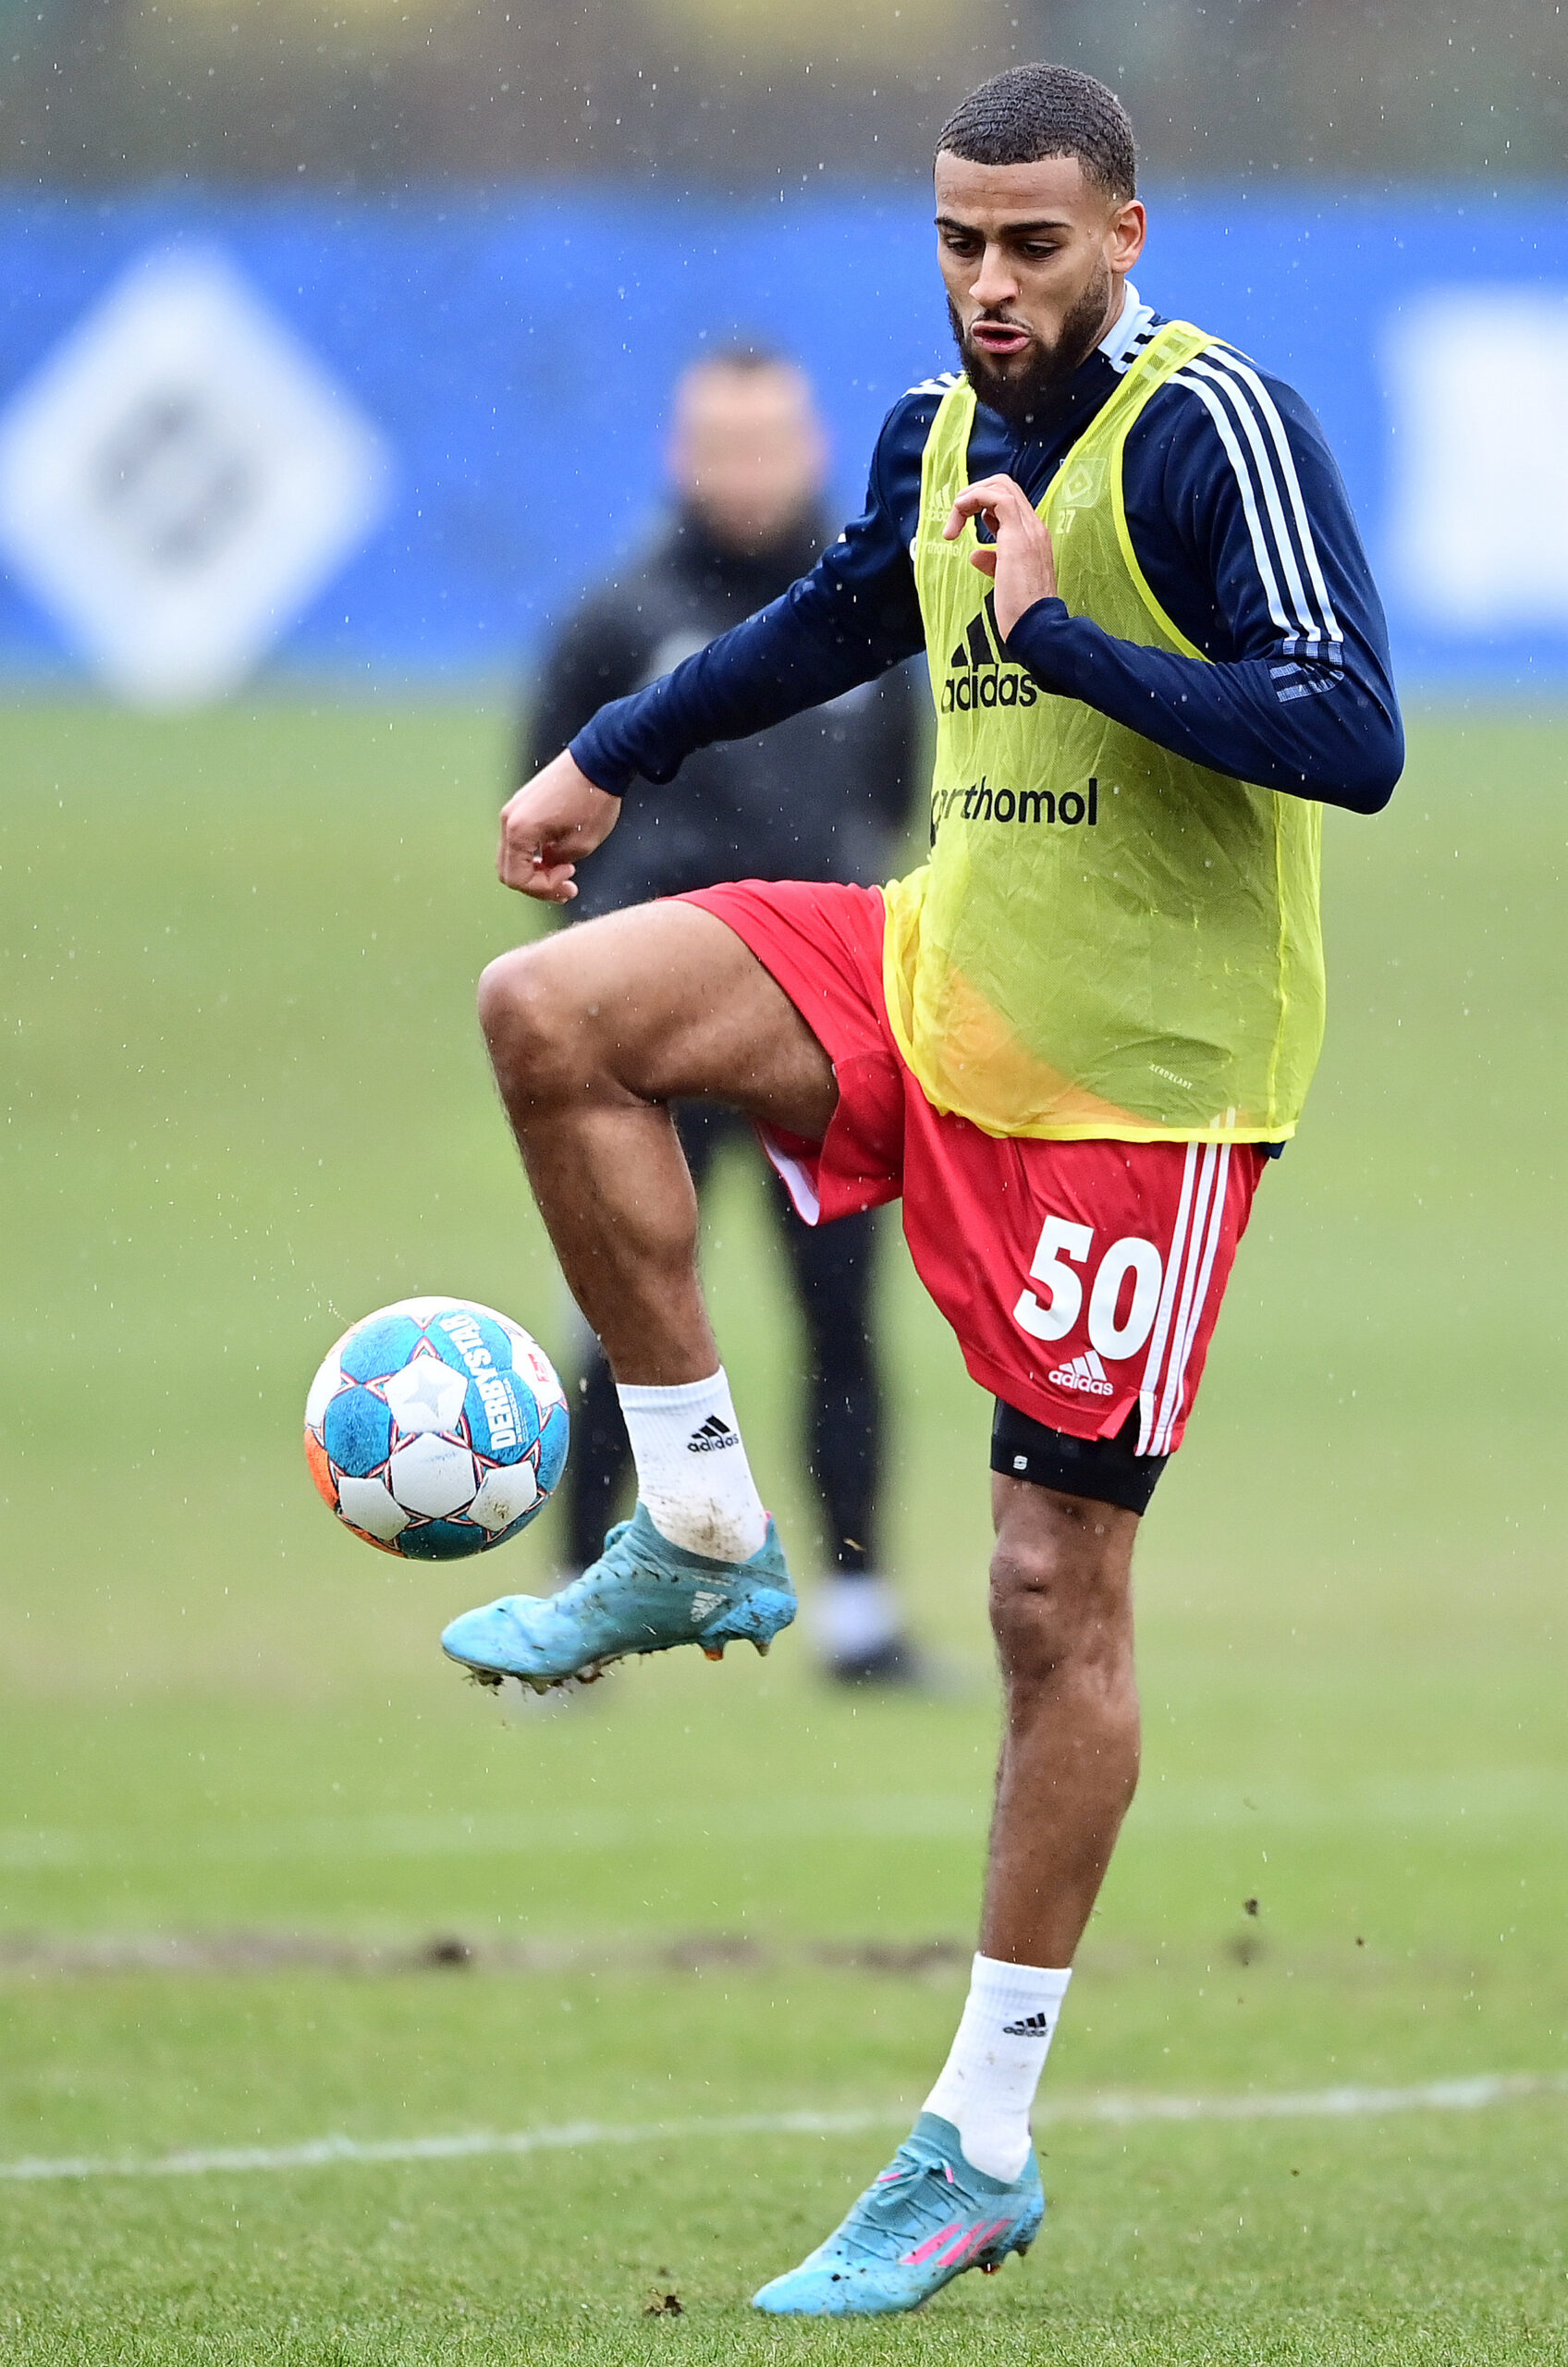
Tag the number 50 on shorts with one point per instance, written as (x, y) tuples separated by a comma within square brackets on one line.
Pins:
[(1123, 1293)]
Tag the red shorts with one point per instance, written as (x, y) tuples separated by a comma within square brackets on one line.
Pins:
[(1082, 1278)]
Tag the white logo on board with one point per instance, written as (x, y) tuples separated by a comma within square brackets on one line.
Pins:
[(1477, 380), (180, 477)]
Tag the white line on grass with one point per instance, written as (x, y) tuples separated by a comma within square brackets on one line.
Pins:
[(1321, 2103)]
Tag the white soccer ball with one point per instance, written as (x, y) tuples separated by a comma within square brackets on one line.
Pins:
[(437, 1428)]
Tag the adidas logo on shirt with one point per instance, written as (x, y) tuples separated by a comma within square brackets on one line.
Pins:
[(1031, 2026), (1085, 1372), (979, 676), (713, 1434)]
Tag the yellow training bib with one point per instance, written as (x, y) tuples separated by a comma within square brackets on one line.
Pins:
[(1107, 940)]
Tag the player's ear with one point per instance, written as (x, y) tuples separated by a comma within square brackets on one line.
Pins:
[(1129, 229)]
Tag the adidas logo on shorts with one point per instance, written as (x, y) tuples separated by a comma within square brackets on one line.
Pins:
[(1085, 1372), (714, 1433)]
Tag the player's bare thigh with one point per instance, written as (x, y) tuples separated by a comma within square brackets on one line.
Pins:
[(662, 1002)]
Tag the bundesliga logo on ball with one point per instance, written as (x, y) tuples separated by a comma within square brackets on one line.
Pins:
[(436, 1428)]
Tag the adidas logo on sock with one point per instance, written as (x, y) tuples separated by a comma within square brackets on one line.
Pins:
[(714, 1433), (1085, 1372), (1031, 2026)]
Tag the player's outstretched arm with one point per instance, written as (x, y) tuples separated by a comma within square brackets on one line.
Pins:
[(551, 823), (855, 615)]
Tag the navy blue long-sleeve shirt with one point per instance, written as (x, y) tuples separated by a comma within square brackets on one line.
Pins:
[(1243, 527)]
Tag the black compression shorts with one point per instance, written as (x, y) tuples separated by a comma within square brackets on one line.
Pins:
[(1104, 1469)]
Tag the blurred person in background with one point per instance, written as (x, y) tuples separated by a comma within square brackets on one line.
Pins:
[(824, 795)]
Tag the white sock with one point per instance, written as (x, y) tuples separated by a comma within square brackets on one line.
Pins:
[(857, 1615), (692, 1468), (987, 2084)]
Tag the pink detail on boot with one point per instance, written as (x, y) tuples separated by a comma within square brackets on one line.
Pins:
[(973, 2240), (932, 2244)]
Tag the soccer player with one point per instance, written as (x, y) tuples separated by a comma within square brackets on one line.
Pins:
[(1071, 1041)]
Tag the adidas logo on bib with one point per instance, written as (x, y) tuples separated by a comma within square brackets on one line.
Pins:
[(1085, 1372), (979, 676)]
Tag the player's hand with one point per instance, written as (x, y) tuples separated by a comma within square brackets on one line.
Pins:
[(552, 822), (1021, 562)]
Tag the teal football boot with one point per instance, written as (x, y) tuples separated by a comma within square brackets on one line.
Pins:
[(643, 1595), (925, 2220)]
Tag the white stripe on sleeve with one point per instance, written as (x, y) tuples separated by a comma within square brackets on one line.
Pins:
[(1260, 550), (1308, 618), (1269, 411)]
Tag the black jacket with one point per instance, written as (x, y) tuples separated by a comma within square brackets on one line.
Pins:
[(824, 795)]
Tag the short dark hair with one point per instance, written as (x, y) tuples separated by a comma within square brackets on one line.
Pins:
[(744, 357), (1031, 111)]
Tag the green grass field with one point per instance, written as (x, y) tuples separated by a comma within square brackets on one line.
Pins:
[(243, 1794)]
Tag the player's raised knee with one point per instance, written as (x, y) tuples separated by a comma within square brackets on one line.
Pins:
[(529, 1016)]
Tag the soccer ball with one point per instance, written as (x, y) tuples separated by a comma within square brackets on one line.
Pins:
[(435, 1428)]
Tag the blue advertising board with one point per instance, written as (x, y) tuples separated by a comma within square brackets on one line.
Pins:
[(487, 374)]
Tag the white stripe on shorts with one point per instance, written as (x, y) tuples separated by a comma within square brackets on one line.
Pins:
[(1148, 1393), (1190, 1264), (1219, 1171), (795, 1176)]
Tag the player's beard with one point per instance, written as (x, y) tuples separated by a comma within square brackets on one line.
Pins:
[(1027, 388)]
